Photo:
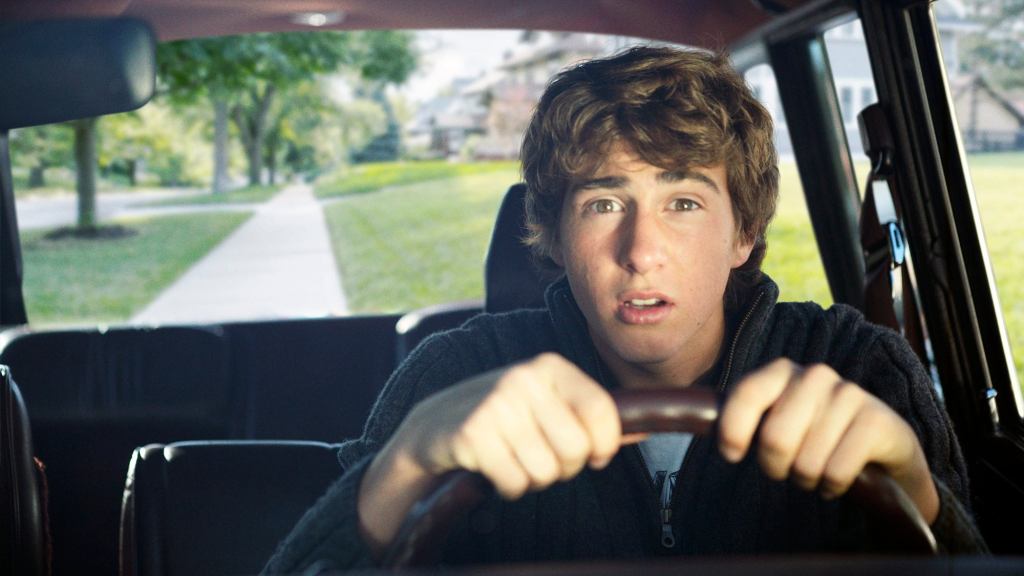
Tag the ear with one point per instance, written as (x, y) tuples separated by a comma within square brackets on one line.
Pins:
[(556, 253), (741, 249)]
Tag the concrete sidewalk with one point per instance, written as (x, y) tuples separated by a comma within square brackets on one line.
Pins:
[(279, 264)]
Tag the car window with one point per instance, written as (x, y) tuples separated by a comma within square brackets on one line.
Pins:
[(851, 74), (981, 44), (369, 189), (792, 259)]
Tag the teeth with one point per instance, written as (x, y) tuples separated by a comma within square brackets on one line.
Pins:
[(644, 302)]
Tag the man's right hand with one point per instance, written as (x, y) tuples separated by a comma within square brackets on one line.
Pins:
[(523, 427)]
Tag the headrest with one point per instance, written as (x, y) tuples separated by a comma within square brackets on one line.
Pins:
[(511, 278)]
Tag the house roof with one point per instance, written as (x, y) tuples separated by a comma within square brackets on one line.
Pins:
[(963, 83)]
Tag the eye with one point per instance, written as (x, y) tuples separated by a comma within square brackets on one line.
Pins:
[(604, 206), (684, 205)]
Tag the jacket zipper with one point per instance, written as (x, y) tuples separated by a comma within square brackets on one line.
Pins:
[(668, 498), (736, 340), (668, 538)]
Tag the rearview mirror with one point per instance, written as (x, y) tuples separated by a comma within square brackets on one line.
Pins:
[(59, 70)]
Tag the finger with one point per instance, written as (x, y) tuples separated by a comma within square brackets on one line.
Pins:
[(482, 449), (786, 424), (851, 454), (845, 401), (561, 427), (521, 433), (744, 408), (595, 410)]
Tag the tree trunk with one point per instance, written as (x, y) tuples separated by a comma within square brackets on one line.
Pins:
[(36, 176), (271, 159), (133, 172), (85, 169), (220, 146), (251, 123), (255, 163)]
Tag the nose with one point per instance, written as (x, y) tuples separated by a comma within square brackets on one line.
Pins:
[(643, 243)]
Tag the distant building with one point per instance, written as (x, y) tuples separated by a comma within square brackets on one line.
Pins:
[(485, 117), (988, 120), (442, 125), (851, 72), (512, 94)]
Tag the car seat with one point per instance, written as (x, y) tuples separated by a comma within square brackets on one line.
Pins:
[(511, 280), (217, 507), (24, 539)]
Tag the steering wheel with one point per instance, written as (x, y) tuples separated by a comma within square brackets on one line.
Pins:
[(419, 541)]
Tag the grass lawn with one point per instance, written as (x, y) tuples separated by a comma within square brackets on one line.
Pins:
[(793, 260), (246, 195), (997, 179), (76, 281), (363, 178), (418, 244)]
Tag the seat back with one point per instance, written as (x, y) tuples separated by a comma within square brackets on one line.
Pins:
[(95, 395), (195, 508), (24, 545), (414, 327), (511, 278)]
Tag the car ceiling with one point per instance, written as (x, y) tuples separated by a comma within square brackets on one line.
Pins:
[(709, 23)]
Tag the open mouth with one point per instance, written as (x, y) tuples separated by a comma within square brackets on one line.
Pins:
[(644, 303)]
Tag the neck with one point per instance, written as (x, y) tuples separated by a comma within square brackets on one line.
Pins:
[(679, 371)]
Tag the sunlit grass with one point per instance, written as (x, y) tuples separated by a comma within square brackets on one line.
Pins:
[(84, 281), (363, 178), (419, 244), (997, 184), (793, 260)]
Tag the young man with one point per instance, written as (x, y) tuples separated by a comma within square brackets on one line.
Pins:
[(651, 180)]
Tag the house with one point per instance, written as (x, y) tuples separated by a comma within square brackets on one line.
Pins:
[(851, 71), (442, 126), (988, 120), (485, 117)]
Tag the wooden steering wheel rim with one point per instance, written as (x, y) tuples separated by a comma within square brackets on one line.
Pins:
[(420, 539)]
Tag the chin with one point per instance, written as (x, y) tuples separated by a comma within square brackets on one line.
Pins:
[(640, 353)]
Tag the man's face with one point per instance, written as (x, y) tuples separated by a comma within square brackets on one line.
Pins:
[(648, 254)]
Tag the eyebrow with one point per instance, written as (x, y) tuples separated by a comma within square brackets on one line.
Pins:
[(667, 177)]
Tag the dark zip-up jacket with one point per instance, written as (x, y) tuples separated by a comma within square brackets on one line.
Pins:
[(718, 507)]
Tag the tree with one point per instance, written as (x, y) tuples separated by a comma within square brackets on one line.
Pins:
[(213, 69), (997, 51), (85, 171), (308, 128), (162, 140), (48, 146), (40, 148), (242, 76)]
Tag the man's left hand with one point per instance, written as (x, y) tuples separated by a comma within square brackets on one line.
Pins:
[(820, 431)]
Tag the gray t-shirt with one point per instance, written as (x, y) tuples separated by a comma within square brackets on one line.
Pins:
[(663, 454)]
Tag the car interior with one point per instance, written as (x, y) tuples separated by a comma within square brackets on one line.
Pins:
[(132, 449)]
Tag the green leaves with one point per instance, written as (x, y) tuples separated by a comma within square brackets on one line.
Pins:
[(252, 73), (191, 69)]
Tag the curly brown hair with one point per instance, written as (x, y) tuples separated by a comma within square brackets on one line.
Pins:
[(675, 109)]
